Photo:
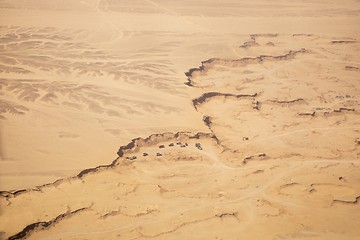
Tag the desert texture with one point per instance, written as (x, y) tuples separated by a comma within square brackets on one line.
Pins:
[(154, 119)]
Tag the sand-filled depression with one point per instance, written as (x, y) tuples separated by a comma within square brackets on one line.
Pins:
[(179, 119)]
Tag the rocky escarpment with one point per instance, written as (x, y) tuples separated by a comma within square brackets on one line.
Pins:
[(239, 62), (207, 121), (133, 146), (298, 100), (154, 139), (260, 156), (252, 42), (328, 112), (343, 41), (44, 225), (356, 201), (206, 96), (342, 109), (9, 194)]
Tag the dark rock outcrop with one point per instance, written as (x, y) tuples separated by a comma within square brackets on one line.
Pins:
[(44, 225)]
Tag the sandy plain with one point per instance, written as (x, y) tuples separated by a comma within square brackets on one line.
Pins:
[(179, 120)]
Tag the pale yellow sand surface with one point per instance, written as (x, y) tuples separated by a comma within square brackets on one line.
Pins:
[(179, 119)]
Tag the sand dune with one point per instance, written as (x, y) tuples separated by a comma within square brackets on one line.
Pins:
[(179, 120)]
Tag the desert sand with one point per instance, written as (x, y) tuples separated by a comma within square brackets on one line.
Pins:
[(154, 119)]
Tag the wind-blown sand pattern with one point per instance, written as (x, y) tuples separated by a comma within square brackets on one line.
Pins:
[(187, 120)]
